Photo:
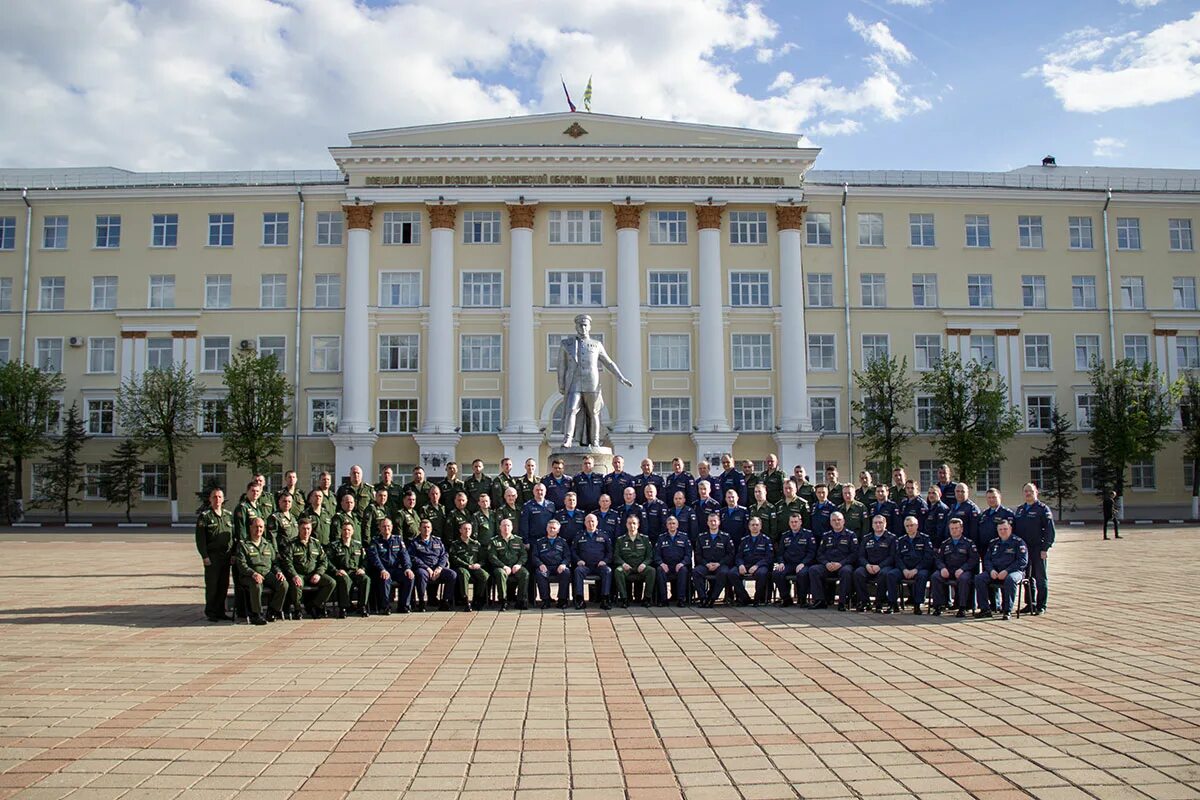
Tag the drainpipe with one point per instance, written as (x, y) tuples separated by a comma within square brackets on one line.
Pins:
[(296, 368), (849, 345), (1112, 329), (25, 280)]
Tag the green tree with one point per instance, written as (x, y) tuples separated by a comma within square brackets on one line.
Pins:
[(29, 408), (63, 478), (121, 477), (1059, 474), (886, 396), (256, 411), (1189, 412), (974, 419), (159, 409)]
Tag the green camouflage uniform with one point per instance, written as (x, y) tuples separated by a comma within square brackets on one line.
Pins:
[(462, 555), (260, 559), (634, 552), (303, 560), (508, 553)]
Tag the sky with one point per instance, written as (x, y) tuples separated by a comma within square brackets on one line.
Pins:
[(878, 84)]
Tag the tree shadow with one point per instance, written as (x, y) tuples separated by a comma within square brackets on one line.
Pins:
[(177, 615)]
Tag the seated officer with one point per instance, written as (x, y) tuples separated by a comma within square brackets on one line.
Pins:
[(714, 562), (956, 563), (348, 563), (593, 552), (214, 540), (569, 518), (466, 555), (633, 557), (257, 566), (390, 567), (431, 565), (876, 556), (305, 565), (835, 559), (672, 556), (506, 556), (552, 560), (914, 562), (1004, 565), (755, 555), (797, 549)]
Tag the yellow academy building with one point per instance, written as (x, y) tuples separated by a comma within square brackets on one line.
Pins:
[(417, 292)]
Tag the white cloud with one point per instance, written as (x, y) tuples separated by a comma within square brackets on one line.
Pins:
[(880, 36), (765, 55), (1107, 147), (924, 3), (1140, 3), (1092, 72)]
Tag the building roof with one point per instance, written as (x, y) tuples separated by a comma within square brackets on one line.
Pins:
[(115, 177), (1119, 179)]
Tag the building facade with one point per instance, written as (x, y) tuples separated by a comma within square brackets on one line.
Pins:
[(417, 293)]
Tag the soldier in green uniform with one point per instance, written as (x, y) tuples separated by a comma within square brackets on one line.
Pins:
[(633, 561), (347, 513), (506, 556), (214, 541), (291, 485), (760, 508), (789, 503), (348, 563), (450, 485), (329, 506), (805, 489), (511, 510), (394, 492), (483, 521), (865, 493), (436, 515), (502, 481), (362, 491), (281, 526), (305, 564), (247, 510), (315, 510), (773, 477), (258, 568), (752, 479), (526, 482), (456, 516), (467, 557), (408, 521), (836, 495), (419, 487), (476, 484), (858, 519), (266, 500), (376, 510)]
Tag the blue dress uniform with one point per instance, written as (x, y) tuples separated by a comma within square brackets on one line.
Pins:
[(570, 525), (712, 548), (427, 556), (796, 552), (654, 519), (1034, 523), (734, 523), (608, 522), (968, 512), (820, 519), (534, 518), (947, 490), (588, 488), (389, 555), (591, 549), (614, 485), (556, 490), (551, 554), (639, 483), (701, 509), (834, 547), (678, 482), (1010, 556), (733, 478), (880, 551), (625, 511), (912, 552), (935, 523), (757, 556), (915, 507), (988, 520), (672, 559), (955, 554), (891, 512), (687, 519)]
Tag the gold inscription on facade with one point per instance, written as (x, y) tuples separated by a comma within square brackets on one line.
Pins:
[(574, 180)]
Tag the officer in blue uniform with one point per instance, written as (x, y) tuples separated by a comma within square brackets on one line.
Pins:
[(714, 562), (684, 516), (1004, 565), (607, 519), (914, 562), (876, 557), (653, 511), (836, 554), (645, 478), (672, 559), (795, 555), (946, 485), (678, 479), (755, 557), (1033, 522), (593, 553), (956, 563), (989, 518), (965, 509), (552, 561), (535, 514), (887, 509), (557, 484), (391, 568), (705, 502), (935, 517), (570, 521), (734, 519), (588, 486), (630, 507), (431, 566), (616, 481), (913, 505), (822, 510), (731, 478)]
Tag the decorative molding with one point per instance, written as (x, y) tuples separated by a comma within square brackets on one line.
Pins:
[(708, 216), (442, 216), (358, 216), (958, 331), (575, 130), (521, 216), (133, 334), (1165, 332), (1007, 331), (628, 215), (184, 334), (790, 218)]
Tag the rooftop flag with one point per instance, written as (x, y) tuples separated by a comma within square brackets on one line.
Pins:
[(568, 94), (587, 95)]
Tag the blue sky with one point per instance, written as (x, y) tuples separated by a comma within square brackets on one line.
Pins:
[(950, 84)]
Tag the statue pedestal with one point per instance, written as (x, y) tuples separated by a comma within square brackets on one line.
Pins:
[(573, 459)]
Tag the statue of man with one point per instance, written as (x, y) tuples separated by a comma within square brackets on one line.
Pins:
[(579, 361)]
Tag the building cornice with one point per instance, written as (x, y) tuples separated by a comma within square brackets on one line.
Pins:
[(818, 191), (248, 193), (575, 194)]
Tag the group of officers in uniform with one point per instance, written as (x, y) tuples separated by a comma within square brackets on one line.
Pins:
[(502, 540)]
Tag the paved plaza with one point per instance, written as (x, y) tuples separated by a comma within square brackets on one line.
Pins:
[(113, 685)]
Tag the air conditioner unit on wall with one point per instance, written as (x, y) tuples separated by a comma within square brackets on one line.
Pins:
[(246, 344), (75, 341)]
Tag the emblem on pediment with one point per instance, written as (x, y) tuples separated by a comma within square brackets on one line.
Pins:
[(575, 131)]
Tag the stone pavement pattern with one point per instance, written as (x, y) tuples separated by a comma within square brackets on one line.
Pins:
[(112, 685)]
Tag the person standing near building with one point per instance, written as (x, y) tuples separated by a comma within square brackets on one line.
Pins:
[(1109, 509), (214, 541)]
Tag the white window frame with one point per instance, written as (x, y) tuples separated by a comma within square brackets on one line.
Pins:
[(8, 233), (927, 283), (874, 347), (480, 352), (401, 419), (1031, 235), (215, 350), (753, 414), (1180, 238), (581, 226), (6, 291), (160, 292), (279, 352), (923, 359), (162, 481), (1183, 292), (872, 287), (669, 352), (1033, 291), (45, 347), (327, 283), (818, 229), (670, 285), (393, 226), (214, 416), (95, 345), (746, 285), (1083, 410), (399, 284), (1136, 342), (1143, 476), (1129, 233), (481, 227), (218, 291), (471, 411), (1033, 345), (984, 291), (52, 293), (329, 403), (1187, 352), (827, 403), (169, 351), (104, 292), (870, 229), (979, 227), (574, 287), (217, 224), (331, 228), (1133, 292), (981, 342), (327, 342), (1083, 291), (108, 232), (819, 287), (751, 352), (669, 226), (482, 284), (748, 228), (824, 342), (273, 290), (921, 230), (56, 232), (1087, 345), (89, 418), (925, 417), (679, 414), (410, 344), (1080, 233)]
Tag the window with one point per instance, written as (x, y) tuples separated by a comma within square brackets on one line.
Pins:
[(402, 227), (1079, 233), (1181, 235), (1137, 349), (575, 227), (1087, 474), (273, 291), (326, 354), (213, 413), (823, 411), (93, 475), (920, 230), (1087, 351), (216, 353), (164, 230), (101, 416), (822, 353), (1133, 292), (160, 352), (1038, 475), (818, 229), (820, 289), (481, 227), (747, 227), (1029, 231), (927, 351), (481, 289), (213, 475), (162, 291), (670, 352), (874, 289), (102, 354), (979, 230), (156, 482), (53, 294), (274, 346), (218, 291), (6, 285), (870, 230), (927, 417), (49, 354), (400, 289), (749, 289), (104, 293), (989, 478), (220, 230), (1083, 291), (8, 233), (1141, 475), (1037, 351), (925, 290), (983, 349), (1033, 291), (671, 414), (751, 351), (668, 227), (1084, 404), (1183, 291), (275, 229), (554, 342), (397, 415), (927, 471), (398, 352), (323, 413), (5, 351), (330, 227), (1188, 473), (874, 346), (670, 289), (1187, 352), (575, 288), (1129, 233), (979, 291), (1039, 412), (328, 290), (480, 415), (54, 417), (54, 233), (108, 231), (479, 353), (753, 414)]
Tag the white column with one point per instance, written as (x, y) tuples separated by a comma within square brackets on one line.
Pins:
[(630, 399), (437, 439), (139, 354), (793, 369), (521, 437), (1172, 367), (126, 357), (1002, 360), (1160, 353), (952, 340), (1017, 365), (713, 373)]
